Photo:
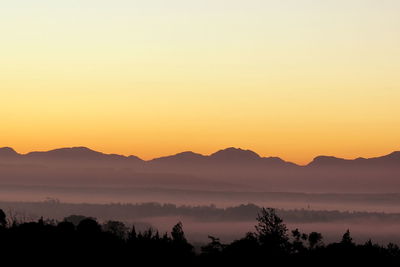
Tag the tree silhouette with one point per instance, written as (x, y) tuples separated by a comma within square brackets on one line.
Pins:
[(347, 239), (43, 242), (88, 225), (298, 245), (3, 220), (116, 228), (214, 247), (180, 244), (177, 233), (76, 219), (270, 230), (314, 240), (132, 234)]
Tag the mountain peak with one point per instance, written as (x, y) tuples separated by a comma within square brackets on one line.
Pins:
[(67, 153), (186, 155), (232, 153), (74, 151), (78, 149), (394, 155), (7, 151), (326, 160)]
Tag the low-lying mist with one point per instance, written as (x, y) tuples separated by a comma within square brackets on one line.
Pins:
[(382, 202)]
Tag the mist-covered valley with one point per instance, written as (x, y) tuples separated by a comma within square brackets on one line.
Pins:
[(227, 223), (209, 194)]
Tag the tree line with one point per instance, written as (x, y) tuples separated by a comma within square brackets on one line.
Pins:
[(244, 212), (81, 240)]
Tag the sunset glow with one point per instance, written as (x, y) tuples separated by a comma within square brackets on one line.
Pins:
[(293, 79)]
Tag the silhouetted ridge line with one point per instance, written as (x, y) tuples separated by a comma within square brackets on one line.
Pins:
[(186, 156), (74, 153), (7, 152), (235, 154), (230, 154), (327, 160)]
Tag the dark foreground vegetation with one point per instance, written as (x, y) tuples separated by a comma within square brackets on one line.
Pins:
[(53, 208), (79, 241)]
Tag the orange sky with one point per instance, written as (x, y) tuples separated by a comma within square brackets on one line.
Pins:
[(290, 78)]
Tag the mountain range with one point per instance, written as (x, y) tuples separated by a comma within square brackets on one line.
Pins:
[(230, 168), (228, 155)]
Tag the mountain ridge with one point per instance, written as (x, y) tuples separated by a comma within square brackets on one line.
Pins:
[(230, 154), (230, 168)]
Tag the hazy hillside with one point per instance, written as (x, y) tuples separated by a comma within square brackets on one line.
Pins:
[(230, 169)]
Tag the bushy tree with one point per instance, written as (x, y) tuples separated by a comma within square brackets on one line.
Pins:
[(298, 241), (270, 230), (214, 247), (116, 228), (177, 233), (76, 219), (347, 239), (314, 240), (89, 226)]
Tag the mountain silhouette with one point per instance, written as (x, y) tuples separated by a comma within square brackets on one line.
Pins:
[(230, 168), (330, 161), (67, 154), (6, 152), (230, 154), (72, 153), (394, 156), (187, 156), (235, 154), (227, 155), (327, 161)]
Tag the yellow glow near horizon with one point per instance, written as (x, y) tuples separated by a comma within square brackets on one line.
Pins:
[(292, 78)]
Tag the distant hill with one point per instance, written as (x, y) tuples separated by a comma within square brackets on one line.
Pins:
[(8, 152), (227, 169), (63, 154)]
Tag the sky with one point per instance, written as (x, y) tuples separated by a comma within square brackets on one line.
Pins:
[(287, 78)]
